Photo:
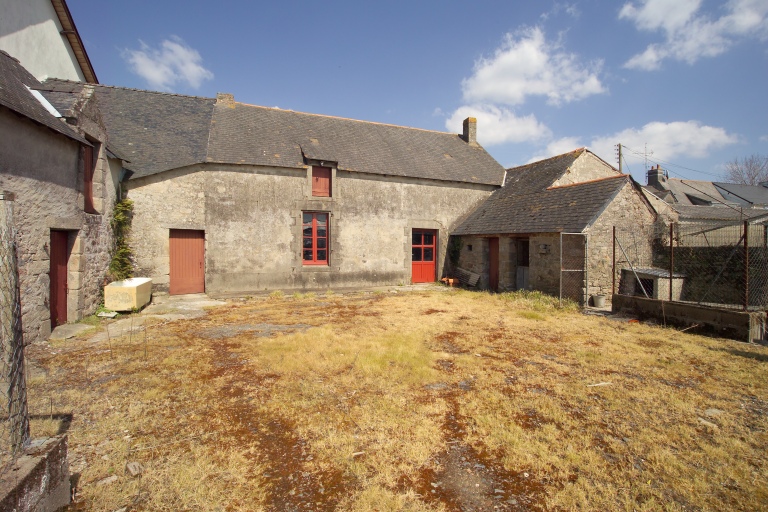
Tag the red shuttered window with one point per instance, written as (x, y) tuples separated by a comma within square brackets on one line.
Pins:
[(321, 181), (315, 246)]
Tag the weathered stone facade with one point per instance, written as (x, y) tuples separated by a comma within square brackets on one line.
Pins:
[(251, 216), (44, 171)]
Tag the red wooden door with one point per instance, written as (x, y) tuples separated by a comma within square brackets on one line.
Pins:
[(423, 255), (187, 261), (58, 278), (493, 270)]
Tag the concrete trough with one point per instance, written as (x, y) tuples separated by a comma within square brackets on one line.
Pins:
[(747, 326), (38, 480), (128, 294)]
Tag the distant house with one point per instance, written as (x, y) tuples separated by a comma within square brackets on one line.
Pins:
[(513, 240), (55, 167), (42, 35), (236, 198)]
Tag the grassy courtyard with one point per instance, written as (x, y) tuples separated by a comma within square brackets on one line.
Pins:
[(429, 400)]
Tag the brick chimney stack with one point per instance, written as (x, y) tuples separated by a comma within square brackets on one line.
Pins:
[(657, 178), (470, 131), (225, 98)]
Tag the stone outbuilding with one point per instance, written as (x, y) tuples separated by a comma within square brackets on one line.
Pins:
[(513, 240), (55, 169), (237, 198)]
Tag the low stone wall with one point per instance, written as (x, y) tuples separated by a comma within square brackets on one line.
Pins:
[(728, 323), (39, 480)]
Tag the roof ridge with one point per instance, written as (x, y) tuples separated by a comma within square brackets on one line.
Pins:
[(551, 187), (578, 150), (345, 118), (127, 88)]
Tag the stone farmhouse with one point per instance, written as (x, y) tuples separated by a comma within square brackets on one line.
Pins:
[(513, 240), (58, 179), (236, 198)]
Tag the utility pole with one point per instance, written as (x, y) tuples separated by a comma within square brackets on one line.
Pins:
[(619, 157)]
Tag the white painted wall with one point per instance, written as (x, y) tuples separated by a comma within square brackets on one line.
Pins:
[(30, 31)]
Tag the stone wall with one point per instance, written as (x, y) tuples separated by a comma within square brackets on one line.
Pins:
[(626, 211), (252, 222), (586, 167), (43, 170)]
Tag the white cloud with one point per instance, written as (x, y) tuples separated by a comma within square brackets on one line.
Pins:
[(689, 34), (668, 141), (172, 63), (764, 138), (558, 147), (571, 10), (497, 125), (527, 65)]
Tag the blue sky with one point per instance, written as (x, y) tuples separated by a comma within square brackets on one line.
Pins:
[(683, 79)]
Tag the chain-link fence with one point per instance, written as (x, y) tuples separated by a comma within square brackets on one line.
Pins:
[(710, 263), (14, 419), (573, 267)]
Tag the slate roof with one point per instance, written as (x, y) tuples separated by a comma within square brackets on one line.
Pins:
[(269, 136), (14, 80), (527, 203), (692, 192), (743, 194), (157, 132)]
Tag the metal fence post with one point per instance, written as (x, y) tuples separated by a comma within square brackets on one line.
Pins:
[(613, 266), (746, 265), (12, 379)]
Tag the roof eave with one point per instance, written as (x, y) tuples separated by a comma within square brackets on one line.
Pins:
[(69, 30)]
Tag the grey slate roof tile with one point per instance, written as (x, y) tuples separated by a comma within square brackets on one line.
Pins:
[(527, 203), (268, 136), (14, 80), (159, 131)]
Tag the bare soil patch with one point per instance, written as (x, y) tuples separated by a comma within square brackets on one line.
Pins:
[(444, 401)]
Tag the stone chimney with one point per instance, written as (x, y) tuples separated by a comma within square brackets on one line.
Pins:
[(225, 98), (470, 131), (657, 178)]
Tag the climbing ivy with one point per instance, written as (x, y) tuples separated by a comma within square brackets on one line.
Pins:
[(121, 266), (454, 249)]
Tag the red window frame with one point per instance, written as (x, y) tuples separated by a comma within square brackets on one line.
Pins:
[(315, 238), (88, 171), (321, 181)]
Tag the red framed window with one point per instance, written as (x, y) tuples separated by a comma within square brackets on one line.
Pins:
[(88, 168), (321, 181), (315, 245)]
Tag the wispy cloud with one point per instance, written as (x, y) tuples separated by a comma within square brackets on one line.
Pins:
[(172, 63), (571, 10), (497, 125), (526, 64), (667, 141), (690, 35)]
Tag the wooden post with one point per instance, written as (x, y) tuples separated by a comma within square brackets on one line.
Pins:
[(746, 265), (613, 284)]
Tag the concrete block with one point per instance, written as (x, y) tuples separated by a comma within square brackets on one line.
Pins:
[(39, 479), (128, 294)]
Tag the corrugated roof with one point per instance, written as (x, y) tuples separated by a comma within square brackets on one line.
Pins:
[(743, 194), (720, 213), (15, 95)]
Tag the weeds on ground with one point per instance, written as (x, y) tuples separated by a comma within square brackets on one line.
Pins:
[(357, 402)]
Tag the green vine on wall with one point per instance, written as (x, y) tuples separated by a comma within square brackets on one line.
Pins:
[(121, 266)]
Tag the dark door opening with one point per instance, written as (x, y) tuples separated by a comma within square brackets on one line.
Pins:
[(493, 270), (58, 277)]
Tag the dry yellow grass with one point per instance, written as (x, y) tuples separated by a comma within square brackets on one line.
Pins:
[(411, 401)]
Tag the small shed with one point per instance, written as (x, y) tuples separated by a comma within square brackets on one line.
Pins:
[(653, 283)]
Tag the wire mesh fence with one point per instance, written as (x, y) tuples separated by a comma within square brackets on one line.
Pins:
[(709, 263), (14, 419)]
